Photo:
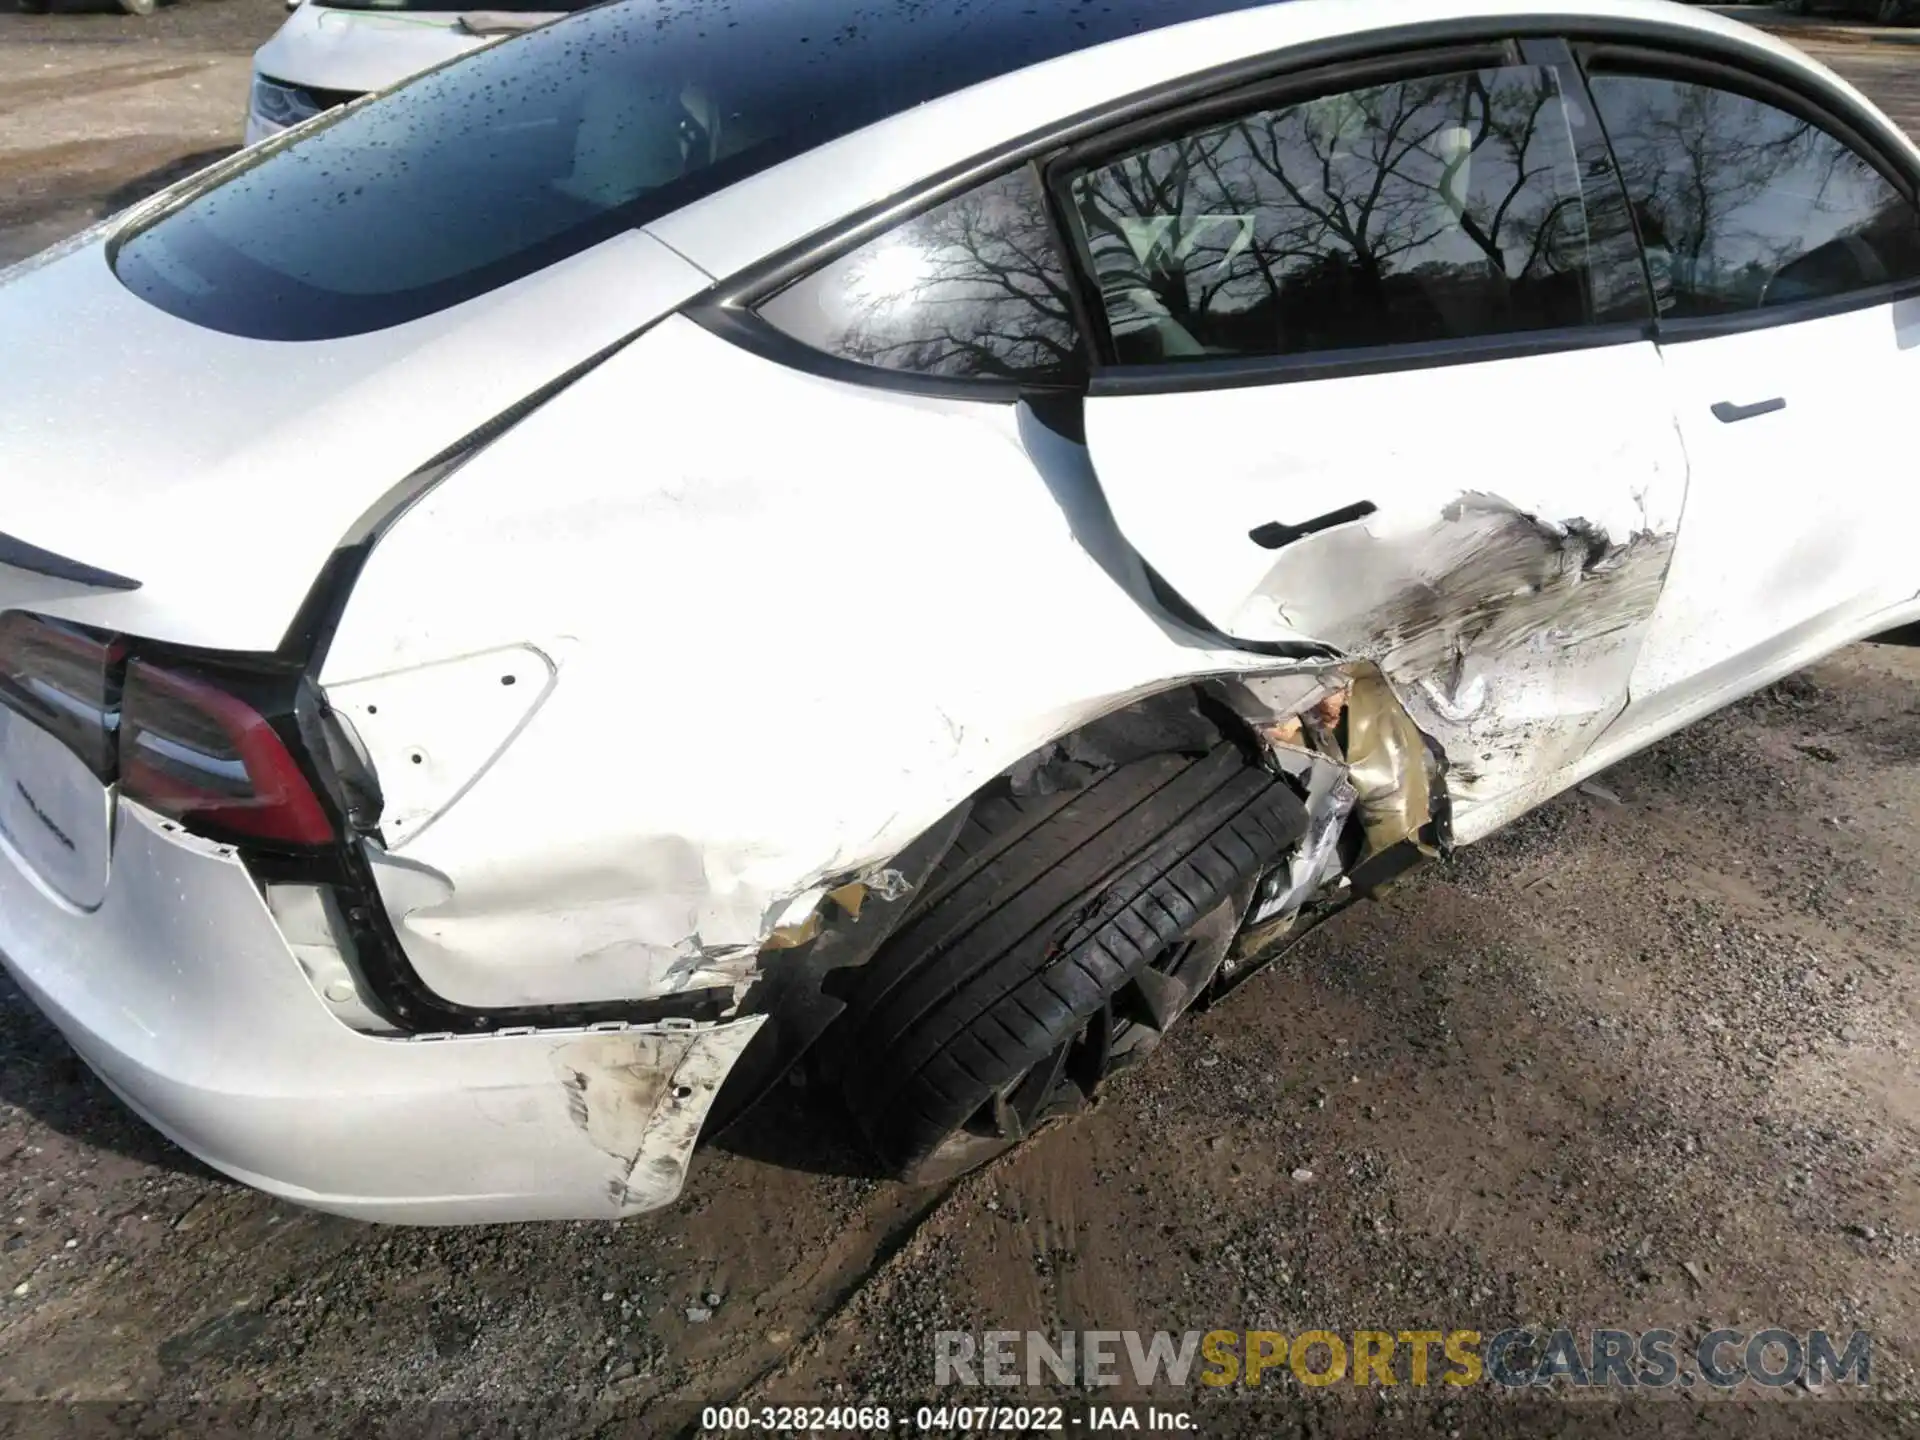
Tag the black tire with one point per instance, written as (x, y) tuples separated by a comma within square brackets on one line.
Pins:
[(32, 7), (1891, 12), (1058, 939), (1796, 7)]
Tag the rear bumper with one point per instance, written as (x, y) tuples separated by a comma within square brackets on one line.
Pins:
[(181, 993)]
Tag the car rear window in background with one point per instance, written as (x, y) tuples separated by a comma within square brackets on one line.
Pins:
[(545, 144)]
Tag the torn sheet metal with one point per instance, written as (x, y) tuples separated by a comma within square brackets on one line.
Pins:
[(1508, 636), (1506, 566), (732, 728), (1316, 863), (1389, 765), (641, 1096)]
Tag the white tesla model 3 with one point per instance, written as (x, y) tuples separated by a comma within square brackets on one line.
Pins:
[(925, 535)]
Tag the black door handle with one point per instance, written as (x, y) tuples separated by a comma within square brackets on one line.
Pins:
[(1726, 412), (1276, 533)]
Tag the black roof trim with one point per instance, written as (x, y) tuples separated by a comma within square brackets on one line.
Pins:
[(22, 556)]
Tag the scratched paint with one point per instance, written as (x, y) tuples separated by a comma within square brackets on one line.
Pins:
[(1508, 636), (640, 1097)]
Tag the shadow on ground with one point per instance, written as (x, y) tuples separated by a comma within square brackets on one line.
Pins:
[(41, 1075)]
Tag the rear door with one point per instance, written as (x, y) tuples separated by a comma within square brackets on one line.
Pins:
[(1377, 368), (1785, 258)]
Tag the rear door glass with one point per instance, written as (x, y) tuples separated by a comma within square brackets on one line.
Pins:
[(1740, 204), (1431, 209)]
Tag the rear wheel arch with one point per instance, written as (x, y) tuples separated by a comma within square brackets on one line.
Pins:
[(1062, 917)]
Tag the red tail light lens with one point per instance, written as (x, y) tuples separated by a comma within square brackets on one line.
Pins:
[(61, 680), (192, 750)]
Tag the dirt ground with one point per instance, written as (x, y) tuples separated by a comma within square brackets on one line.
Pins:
[(1647, 1059)]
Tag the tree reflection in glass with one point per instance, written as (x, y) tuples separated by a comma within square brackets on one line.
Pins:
[(973, 288), (1740, 204), (1421, 210)]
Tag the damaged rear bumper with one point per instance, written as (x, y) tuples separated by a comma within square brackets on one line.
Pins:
[(182, 994)]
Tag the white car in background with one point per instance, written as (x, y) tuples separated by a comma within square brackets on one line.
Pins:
[(331, 53), (919, 536)]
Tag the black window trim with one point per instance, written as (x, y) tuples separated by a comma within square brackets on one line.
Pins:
[(726, 309), (1683, 64), (738, 319), (1240, 371)]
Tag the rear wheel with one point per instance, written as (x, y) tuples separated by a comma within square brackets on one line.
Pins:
[(1056, 943)]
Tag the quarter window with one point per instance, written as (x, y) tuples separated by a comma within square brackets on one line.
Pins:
[(974, 288), (1741, 205), (1422, 210)]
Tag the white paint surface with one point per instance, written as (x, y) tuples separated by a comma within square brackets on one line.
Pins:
[(904, 608), (1799, 520)]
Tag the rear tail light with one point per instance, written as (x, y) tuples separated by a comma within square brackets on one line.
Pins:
[(61, 679), (202, 755), (179, 742)]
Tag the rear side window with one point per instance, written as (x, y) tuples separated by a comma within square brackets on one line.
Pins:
[(1423, 210), (547, 143), (1741, 205), (974, 288)]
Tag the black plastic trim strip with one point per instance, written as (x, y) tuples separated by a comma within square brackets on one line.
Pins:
[(1291, 85), (1739, 322), (1176, 377), (18, 554)]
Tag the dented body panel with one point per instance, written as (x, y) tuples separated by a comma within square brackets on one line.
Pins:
[(1507, 573), (672, 669), (902, 640)]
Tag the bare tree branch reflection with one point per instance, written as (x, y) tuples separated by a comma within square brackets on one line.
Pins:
[(1417, 210), (989, 296)]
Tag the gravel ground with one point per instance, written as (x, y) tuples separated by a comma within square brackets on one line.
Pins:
[(1645, 1059)]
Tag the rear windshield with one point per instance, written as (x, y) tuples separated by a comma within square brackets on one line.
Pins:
[(539, 146)]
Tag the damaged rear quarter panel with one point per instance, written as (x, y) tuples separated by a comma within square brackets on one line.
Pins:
[(782, 649)]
